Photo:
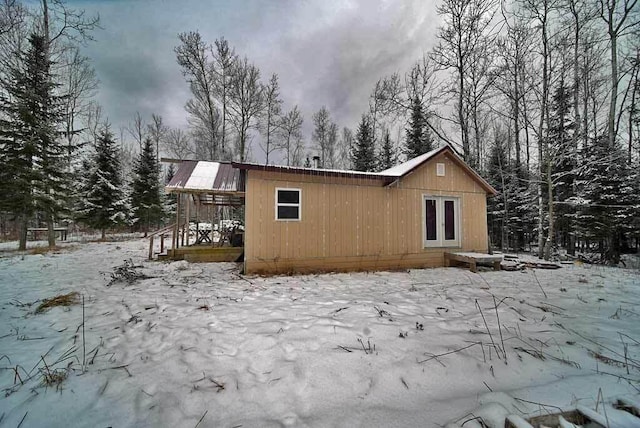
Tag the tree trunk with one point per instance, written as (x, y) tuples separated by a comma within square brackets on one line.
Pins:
[(551, 231), (51, 233), (22, 232), (544, 118), (614, 88), (104, 234)]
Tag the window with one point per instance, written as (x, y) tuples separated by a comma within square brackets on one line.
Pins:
[(288, 204), (440, 169), (441, 221)]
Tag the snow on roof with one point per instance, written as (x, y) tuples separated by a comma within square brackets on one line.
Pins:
[(207, 176), (391, 173), (405, 167), (203, 176), (312, 171)]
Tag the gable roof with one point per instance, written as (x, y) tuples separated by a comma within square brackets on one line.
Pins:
[(412, 164), (389, 176)]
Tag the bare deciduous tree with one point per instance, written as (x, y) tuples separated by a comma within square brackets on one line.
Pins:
[(466, 24), (177, 144), (290, 132), (193, 56), (137, 129), (270, 117), (224, 60), (620, 17), (246, 102), (157, 131), (322, 134)]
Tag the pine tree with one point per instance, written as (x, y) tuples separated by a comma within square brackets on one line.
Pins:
[(104, 204), (33, 158), (387, 157), (146, 202), (419, 139), (363, 155)]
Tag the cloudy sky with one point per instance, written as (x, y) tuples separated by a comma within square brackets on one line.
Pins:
[(324, 52)]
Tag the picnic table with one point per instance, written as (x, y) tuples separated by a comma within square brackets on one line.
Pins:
[(204, 236)]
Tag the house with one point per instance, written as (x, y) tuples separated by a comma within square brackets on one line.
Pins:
[(408, 216), (309, 220)]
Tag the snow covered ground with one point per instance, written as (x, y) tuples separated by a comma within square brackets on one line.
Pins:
[(198, 344)]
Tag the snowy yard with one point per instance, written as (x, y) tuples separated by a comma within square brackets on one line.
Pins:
[(198, 344)]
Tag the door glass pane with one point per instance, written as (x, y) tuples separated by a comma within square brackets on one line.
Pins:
[(449, 221), (431, 219)]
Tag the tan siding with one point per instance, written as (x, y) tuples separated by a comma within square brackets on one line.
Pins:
[(355, 223)]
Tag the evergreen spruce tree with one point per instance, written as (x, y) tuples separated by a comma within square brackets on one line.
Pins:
[(498, 207), (511, 213), (171, 171), (363, 155), (146, 202), (104, 204), (563, 163), (170, 200), (523, 208), (606, 199), (419, 139), (387, 157), (33, 158)]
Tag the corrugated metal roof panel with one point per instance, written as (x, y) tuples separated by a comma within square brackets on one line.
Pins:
[(229, 179), (202, 176), (182, 175)]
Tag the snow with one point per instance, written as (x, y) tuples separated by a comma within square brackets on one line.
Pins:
[(199, 342), (403, 168), (203, 176)]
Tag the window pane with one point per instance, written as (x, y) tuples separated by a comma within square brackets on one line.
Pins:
[(285, 212), (288, 197), (449, 221), (431, 219)]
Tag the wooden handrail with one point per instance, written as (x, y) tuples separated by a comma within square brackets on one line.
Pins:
[(165, 229)]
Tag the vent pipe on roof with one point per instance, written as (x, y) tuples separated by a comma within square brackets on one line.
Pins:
[(316, 162)]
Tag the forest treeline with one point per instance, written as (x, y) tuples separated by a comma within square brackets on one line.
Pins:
[(540, 96)]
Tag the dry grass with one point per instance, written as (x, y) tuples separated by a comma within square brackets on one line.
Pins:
[(69, 299), (55, 250), (54, 378)]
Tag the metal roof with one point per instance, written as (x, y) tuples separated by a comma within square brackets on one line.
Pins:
[(387, 177), (216, 182)]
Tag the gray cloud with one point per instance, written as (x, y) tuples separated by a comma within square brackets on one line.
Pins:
[(325, 53)]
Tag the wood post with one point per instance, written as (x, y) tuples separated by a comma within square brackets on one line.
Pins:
[(176, 227), (151, 247), (187, 219)]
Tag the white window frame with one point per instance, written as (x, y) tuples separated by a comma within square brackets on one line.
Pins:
[(299, 204), (440, 242)]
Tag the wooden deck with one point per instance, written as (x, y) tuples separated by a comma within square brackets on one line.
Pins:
[(472, 259), (204, 253)]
